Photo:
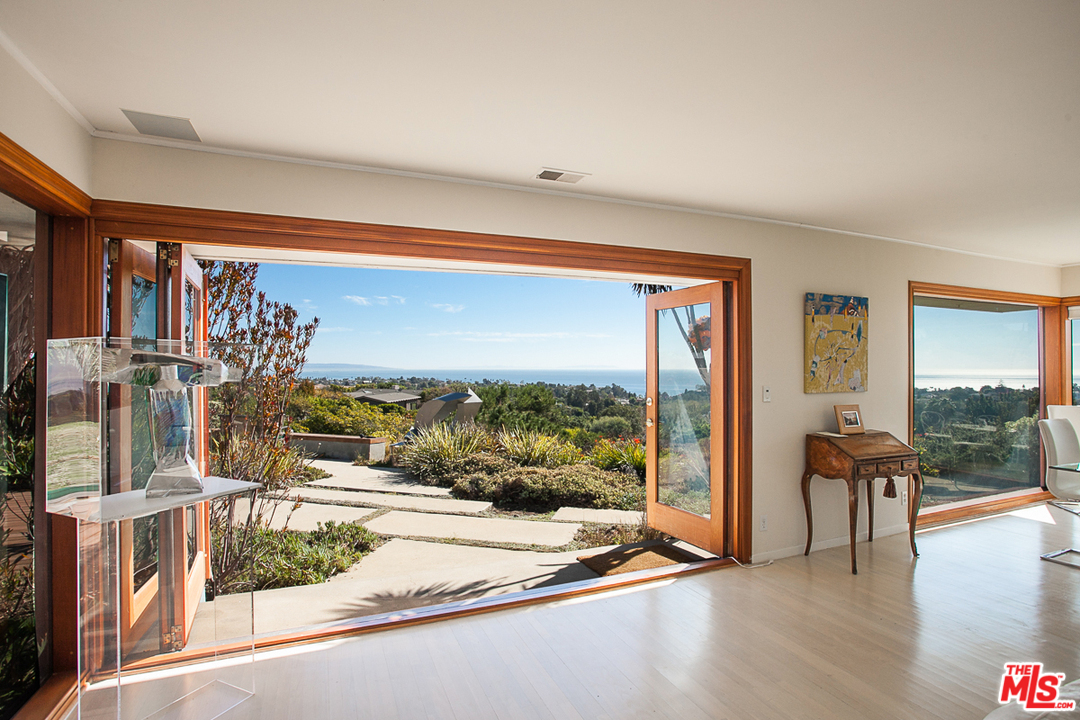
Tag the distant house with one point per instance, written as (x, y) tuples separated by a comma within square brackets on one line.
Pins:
[(405, 400)]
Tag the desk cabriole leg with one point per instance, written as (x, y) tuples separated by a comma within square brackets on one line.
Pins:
[(853, 519), (914, 500), (809, 514), (870, 508)]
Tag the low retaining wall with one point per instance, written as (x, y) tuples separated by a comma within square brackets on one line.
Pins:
[(340, 447)]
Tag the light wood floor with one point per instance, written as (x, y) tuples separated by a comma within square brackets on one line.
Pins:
[(802, 638)]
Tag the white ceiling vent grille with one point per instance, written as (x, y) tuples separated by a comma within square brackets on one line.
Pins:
[(175, 128), (563, 176)]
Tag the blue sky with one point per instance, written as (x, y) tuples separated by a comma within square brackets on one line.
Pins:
[(409, 319), (986, 344)]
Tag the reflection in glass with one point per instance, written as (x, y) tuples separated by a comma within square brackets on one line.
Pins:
[(144, 531), (976, 398), (1074, 326), (684, 432), (18, 648)]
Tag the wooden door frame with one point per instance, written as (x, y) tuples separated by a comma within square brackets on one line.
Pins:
[(71, 282), (271, 232)]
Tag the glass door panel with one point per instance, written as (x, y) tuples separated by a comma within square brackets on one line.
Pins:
[(688, 362), (684, 434)]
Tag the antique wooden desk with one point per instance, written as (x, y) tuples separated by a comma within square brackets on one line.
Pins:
[(875, 454)]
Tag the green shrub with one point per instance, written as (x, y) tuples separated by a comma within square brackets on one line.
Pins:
[(286, 559), (539, 489), (436, 454), (346, 416), (534, 449), (610, 426), (622, 455)]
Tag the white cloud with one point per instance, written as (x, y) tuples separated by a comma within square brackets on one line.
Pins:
[(356, 299), (446, 307), (397, 298), (334, 329)]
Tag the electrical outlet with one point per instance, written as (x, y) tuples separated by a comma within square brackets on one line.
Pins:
[(766, 393), (903, 497), (764, 524)]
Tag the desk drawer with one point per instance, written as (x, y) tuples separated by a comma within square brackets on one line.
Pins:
[(888, 469), (907, 465), (866, 470)]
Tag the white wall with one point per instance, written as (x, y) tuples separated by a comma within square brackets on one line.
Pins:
[(787, 262), (34, 120), (1070, 280)]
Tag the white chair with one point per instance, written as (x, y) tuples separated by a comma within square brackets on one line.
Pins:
[(1065, 412), (1062, 447)]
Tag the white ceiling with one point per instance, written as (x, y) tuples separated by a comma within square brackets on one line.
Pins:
[(949, 122)]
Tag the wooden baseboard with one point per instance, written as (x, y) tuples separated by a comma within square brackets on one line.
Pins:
[(945, 516)]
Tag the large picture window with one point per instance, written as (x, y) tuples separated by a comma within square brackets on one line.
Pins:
[(976, 399)]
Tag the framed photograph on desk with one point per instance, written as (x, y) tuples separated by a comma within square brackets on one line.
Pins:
[(849, 420)]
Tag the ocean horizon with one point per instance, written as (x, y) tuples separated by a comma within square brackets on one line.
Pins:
[(632, 381)]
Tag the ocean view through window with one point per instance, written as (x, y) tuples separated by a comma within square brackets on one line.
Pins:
[(976, 397)]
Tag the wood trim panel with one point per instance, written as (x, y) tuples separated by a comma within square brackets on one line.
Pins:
[(1052, 352), (33, 182), (217, 227), (957, 291), (991, 507), (53, 700), (1070, 300)]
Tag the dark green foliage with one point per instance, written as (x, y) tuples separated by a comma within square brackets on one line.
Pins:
[(521, 407), (539, 489), (978, 441), (611, 427), (18, 641), (18, 649), (287, 559)]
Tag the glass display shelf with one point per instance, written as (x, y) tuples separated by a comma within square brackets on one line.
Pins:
[(126, 461)]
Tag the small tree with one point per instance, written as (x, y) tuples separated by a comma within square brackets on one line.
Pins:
[(264, 344)]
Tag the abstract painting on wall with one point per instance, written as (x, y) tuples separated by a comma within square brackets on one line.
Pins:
[(836, 357)]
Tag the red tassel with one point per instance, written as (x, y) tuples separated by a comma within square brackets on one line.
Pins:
[(890, 488)]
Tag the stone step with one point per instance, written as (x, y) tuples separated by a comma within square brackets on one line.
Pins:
[(493, 530), (382, 500), (610, 517), (347, 476), (309, 515)]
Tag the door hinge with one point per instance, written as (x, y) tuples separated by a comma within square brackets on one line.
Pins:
[(170, 252), (114, 250), (173, 641)]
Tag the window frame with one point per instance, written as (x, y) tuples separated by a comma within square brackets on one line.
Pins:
[(1052, 382)]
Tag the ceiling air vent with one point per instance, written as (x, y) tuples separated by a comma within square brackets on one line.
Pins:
[(563, 176), (175, 128)]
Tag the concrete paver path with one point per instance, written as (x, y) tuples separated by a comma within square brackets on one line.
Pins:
[(347, 476), (405, 502), (309, 515), (523, 532), (611, 517)]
